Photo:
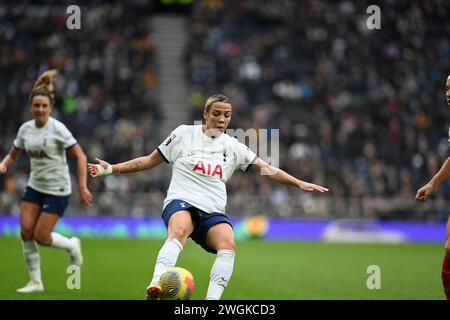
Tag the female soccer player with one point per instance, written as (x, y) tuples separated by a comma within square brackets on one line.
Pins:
[(425, 191), (204, 157), (46, 140)]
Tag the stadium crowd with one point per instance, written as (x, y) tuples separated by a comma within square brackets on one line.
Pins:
[(360, 111), (105, 88)]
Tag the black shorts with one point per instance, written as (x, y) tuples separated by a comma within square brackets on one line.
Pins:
[(48, 203), (203, 221)]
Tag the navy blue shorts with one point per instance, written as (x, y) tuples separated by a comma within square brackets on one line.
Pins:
[(202, 221), (48, 203)]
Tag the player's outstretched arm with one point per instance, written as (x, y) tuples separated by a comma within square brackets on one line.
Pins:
[(283, 177), (103, 168), (83, 191), (423, 193), (9, 159)]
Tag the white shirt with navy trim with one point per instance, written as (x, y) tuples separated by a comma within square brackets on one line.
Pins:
[(202, 165), (46, 147)]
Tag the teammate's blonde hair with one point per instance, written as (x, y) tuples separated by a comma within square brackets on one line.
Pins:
[(44, 86)]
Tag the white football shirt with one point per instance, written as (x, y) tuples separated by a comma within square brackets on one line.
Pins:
[(201, 165), (46, 148)]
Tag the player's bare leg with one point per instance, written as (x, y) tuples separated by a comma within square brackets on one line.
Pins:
[(45, 236), (179, 229)]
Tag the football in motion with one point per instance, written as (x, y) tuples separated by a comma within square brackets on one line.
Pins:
[(177, 284)]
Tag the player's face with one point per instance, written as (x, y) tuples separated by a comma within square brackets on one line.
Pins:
[(447, 91), (40, 109), (218, 117)]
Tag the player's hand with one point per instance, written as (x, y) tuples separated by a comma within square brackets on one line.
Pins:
[(3, 168), (103, 168), (85, 197), (423, 193), (311, 187)]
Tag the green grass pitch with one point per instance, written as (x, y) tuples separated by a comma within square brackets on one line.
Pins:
[(264, 270)]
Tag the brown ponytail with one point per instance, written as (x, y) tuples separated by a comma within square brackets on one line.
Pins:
[(44, 86)]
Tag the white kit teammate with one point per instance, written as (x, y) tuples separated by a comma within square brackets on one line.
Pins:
[(46, 141), (203, 158)]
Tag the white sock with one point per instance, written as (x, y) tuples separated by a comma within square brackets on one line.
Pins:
[(33, 260), (59, 241), (220, 274), (167, 258)]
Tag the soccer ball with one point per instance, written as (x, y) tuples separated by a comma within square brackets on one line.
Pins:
[(177, 284)]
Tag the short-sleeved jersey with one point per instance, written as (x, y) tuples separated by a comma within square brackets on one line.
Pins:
[(46, 147), (202, 165)]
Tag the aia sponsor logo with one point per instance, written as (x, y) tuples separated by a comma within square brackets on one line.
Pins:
[(207, 169), (39, 154)]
